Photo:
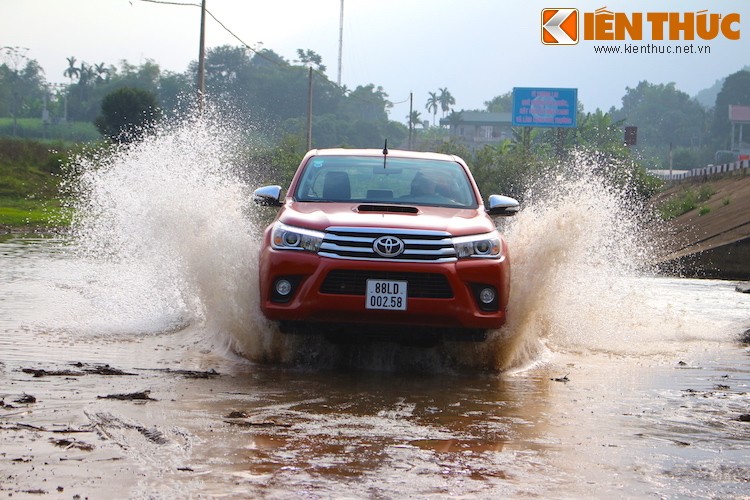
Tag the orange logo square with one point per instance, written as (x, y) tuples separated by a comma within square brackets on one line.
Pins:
[(559, 26)]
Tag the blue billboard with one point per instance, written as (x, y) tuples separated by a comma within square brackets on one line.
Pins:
[(544, 107)]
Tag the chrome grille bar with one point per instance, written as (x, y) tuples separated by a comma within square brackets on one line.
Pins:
[(356, 243)]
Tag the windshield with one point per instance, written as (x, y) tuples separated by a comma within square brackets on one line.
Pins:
[(364, 179)]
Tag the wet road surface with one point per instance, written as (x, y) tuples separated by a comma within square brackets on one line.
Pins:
[(169, 415)]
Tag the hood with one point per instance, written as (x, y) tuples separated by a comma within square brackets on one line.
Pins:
[(320, 216)]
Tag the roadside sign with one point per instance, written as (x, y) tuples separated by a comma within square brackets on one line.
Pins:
[(544, 107)]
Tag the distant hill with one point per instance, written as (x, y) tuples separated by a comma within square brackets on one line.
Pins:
[(707, 97)]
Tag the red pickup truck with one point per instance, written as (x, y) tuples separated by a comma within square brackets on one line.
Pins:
[(384, 243)]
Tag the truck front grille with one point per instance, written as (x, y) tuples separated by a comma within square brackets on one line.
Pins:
[(356, 243), (420, 285)]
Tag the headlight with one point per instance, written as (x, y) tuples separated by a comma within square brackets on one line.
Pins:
[(486, 246), (286, 237)]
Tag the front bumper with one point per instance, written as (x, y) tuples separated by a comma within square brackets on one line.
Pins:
[(314, 300)]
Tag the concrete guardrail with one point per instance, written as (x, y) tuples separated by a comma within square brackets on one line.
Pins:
[(741, 167)]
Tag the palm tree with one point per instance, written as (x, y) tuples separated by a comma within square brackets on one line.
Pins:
[(102, 73), (86, 74), (446, 100), (415, 118), (433, 103), (454, 119), (72, 72)]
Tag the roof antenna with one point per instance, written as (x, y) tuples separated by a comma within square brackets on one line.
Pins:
[(385, 152)]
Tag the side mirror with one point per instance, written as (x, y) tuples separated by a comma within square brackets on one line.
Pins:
[(504, 206), (268, 196)]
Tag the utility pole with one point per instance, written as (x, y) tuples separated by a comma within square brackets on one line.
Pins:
[(309, 110), (202, 60), (341, 40), (411, 123)]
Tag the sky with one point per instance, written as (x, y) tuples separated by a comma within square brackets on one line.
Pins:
[(477, 49)]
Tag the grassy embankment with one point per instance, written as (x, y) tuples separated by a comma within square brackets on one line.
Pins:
[(35, 129), (31, 157), (685, 199), (29, 179)]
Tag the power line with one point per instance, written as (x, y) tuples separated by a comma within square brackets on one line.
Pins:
[(260, 54), (245, 45)]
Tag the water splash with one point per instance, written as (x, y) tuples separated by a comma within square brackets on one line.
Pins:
[(576, 241), (169, 218), (584, 255), (574, 245), (169, 223)]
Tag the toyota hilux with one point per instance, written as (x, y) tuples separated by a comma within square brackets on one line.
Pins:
[(386, 243)]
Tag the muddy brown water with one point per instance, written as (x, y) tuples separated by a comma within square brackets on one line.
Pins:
[(652, 408), (134, 362)]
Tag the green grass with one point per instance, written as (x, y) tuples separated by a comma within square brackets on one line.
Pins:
[(34, 128), (19, 212), (686, 200), (27, 182), (29, 178)]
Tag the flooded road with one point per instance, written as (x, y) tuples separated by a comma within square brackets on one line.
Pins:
[(134, 362), (631, 414)]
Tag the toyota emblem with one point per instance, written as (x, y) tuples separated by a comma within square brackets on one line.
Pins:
[(388, 246)]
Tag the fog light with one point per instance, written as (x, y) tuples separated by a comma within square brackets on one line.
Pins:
[(487, 295), (283, 287)]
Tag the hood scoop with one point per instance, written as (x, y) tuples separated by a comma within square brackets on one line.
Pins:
[(398, 209)]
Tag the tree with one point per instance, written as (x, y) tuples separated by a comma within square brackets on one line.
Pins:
[(500, 104), (258, 87), (663, 114), (415, 119), (226, 68), (173, 87), (433, 103), (454, 118), (127, 114), (446, 100), (72, 71), (86, 75), (23, 83), (280, 161), (368, 103), (599, 132), (265, 87), (365, 134), (95, 81), (311, 59), (102, 73), (81, 104), (735, 91)]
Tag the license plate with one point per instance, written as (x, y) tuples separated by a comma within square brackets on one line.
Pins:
[(386, 294)]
